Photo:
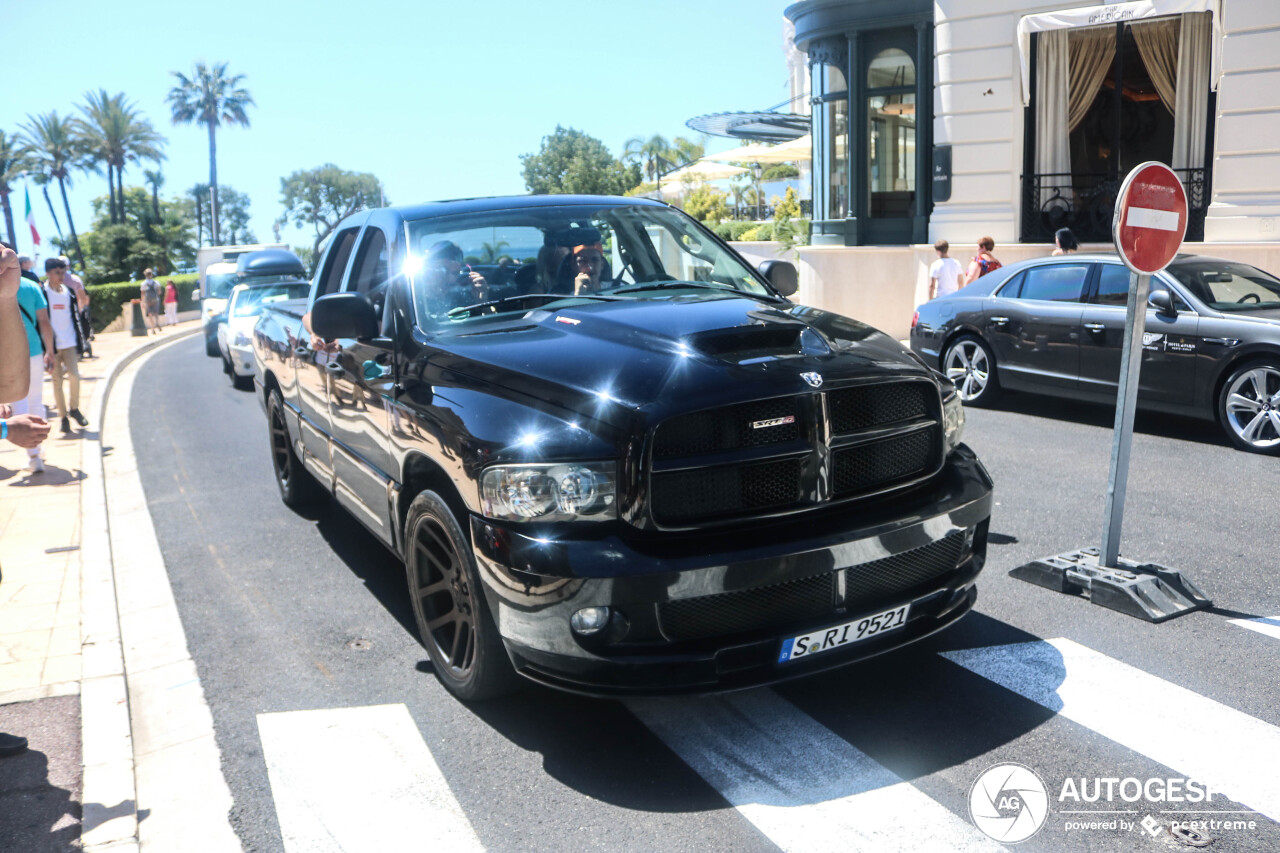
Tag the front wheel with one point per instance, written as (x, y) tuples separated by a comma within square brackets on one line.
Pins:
[(1249, 407), (297, 487), (971, 367), (448, 604), (211, 347)]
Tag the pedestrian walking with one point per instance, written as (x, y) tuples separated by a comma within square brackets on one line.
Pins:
[(945, 274), (170, 303), (150, 291), (28, 268), (84, 323), (39, 335), (1064, 242), (67, 343), (983, 262)]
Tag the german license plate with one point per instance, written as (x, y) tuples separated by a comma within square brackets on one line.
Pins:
[(862, 628)]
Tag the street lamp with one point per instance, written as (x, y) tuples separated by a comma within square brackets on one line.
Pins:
[(756, 170)]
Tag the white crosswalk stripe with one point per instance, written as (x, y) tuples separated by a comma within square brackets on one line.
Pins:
[(1233, 753), (1269, 625), (359, 779), (799, 783)]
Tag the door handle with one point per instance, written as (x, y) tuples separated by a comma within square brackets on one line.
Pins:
[(1095, 327), (334, 367), (301, 352), (999, 321)]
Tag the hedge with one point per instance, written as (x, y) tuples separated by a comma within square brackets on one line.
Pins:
[(108, 299)]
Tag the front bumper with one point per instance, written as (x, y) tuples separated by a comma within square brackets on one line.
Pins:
[(707, 611), (241, 359)]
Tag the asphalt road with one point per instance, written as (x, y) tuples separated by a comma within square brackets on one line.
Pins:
[(285, 612)]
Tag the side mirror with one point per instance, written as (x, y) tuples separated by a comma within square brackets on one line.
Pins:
[(343, 315), (782, 275), (1162, 302)]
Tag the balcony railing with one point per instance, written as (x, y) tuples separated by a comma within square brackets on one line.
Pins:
[(1085, 203)]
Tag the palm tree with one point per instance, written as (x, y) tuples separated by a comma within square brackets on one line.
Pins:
[(199, 193), (42, 181), (654, 154), (55, 150), (13, 163), (155, 179), (210, 97), (115, 133)]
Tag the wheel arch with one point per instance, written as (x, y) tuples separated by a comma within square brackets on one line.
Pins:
[(961, 331), (1263, 353), (421, 474)]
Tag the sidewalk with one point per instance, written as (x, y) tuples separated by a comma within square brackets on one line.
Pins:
[(59, 632)]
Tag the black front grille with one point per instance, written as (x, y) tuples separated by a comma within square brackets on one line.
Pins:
[(894, 578), (685, 497), (747, 610), (868, 406), (730, 428), (881, 464)]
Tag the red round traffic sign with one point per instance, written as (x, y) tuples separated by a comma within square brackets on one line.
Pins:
[(1150, 219)]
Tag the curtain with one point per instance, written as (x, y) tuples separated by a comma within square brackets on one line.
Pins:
[(1158, 42), (1093, 51), (1053, 151), (1191, 101)]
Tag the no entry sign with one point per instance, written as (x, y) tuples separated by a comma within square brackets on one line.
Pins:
[(1150, 218)]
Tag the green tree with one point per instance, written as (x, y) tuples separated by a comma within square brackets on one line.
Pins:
[(210, 97), (154, 178), (324, 196), (122, 250), (570, 161), (13, 163), (788, 228), (780, 172), (54, 150), (114, 132), (233, 216), (706, 204)]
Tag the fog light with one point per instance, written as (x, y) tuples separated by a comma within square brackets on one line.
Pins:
[(589, 620)]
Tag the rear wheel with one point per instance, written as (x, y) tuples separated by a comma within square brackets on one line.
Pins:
[(448, 604), (969, 364), (1249, 407), (211, 346), (297, 487)]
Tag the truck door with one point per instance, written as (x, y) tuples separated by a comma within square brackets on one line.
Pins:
[(360, 385), (311, 366)]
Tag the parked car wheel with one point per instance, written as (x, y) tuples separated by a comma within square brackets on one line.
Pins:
[(297, 487), (226, 367), (971, 367), (1249, 407), (449, 607), (211, 346)]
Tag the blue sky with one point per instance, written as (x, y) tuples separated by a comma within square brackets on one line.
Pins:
[(438, 100)]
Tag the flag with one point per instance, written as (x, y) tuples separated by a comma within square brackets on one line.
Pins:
[(31, 217)]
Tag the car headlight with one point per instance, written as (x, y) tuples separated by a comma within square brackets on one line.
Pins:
[(241, 339), (568, 491), (952, 420)]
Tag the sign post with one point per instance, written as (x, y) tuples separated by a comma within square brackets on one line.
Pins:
[(1148, 226)]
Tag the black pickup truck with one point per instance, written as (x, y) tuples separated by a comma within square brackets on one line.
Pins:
[(614, 458)]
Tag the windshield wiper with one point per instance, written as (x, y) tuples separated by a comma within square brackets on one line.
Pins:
[(539, 298), (665, 285)]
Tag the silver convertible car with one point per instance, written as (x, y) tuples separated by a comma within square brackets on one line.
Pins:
[(1056, 326)]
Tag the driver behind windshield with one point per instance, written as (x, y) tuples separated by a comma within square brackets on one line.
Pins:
[(450, 283), (588, 263)]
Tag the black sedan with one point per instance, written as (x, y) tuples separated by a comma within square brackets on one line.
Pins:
[(1056, 326)]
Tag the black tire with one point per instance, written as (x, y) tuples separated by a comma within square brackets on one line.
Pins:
[(1249, 406), (449, 607), (297, 487), (211, 347), (226, 367), (241, 383), (971, 366)]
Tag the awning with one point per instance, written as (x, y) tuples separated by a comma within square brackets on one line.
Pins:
[(1092, 16), (763, 126), (788, 152)]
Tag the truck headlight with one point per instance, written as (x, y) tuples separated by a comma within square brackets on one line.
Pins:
[(952, 420), (568, 491)]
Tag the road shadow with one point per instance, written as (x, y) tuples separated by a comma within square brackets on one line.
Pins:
[(1100, 415), (36, 816)]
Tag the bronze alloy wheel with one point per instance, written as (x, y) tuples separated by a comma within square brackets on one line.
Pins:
[(448, 605), (297, 486)]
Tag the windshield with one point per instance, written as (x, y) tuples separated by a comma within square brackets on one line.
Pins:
[(1228, 286), (505, 262), (249, 302), (217, 285)]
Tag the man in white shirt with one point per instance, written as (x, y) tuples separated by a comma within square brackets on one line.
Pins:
[(945, 274), (76, 284), (66, 341)]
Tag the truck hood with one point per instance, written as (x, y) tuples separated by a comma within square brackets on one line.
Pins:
[(671, 353)]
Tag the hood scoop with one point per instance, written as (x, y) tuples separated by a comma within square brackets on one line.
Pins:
[(752, 344)]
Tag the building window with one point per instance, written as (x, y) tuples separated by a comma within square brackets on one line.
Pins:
[(1106, 99), (831, 140), (891, 134)]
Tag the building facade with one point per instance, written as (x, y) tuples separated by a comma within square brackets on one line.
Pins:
[(956, 119)]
